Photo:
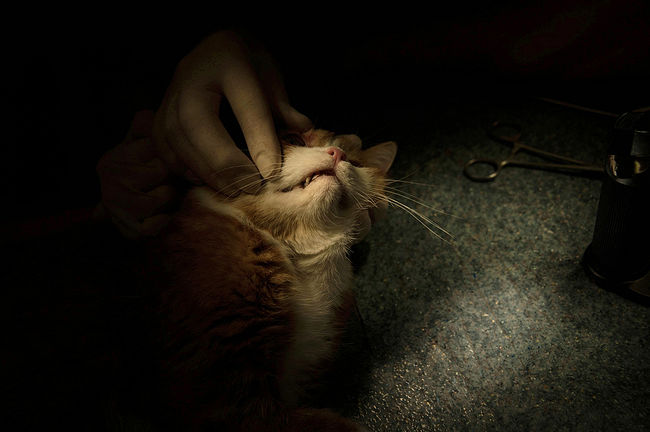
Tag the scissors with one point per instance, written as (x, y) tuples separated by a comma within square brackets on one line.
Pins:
[(496, 131)]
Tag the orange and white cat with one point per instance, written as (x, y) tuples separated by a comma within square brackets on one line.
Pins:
[(254, 290)]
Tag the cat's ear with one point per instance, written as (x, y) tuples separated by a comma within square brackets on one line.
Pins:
[(380, 156)]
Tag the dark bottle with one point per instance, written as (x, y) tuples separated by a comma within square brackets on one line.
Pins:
[(618, 257)]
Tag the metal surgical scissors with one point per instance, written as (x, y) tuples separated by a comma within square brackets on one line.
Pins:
[(495, 132)]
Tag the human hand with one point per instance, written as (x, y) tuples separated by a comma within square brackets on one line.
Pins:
[(132, 178), (188, 133)]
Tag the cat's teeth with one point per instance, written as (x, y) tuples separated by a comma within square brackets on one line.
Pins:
[(307, 181)]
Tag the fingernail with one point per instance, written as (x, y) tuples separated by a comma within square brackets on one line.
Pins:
[(252, 189), (250, 185), (234, 190)]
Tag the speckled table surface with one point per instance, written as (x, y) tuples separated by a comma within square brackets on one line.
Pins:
[(498, 328)]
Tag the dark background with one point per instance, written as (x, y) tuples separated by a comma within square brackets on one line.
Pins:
[(73, 85)]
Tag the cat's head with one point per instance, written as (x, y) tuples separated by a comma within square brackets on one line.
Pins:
[(326, 185)]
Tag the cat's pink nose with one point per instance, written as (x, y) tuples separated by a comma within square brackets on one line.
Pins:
[(337, 154)]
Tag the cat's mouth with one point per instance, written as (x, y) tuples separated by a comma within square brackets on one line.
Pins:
[(311, 177)]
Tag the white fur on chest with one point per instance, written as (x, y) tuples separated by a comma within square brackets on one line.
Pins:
[(323, 279)]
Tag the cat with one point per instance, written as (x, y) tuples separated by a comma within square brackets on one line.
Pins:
[(253, 291)]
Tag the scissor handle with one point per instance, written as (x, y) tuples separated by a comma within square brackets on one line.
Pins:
[(496, 168)]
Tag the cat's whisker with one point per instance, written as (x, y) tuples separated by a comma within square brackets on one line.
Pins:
[(257, 174), (415, 216), (264, 179), (239, 179), (353, 196), (423, 220), (418, 215), (436, 225), (368, 201), (358, 203), (391, 181), (406, 176), (243, 166), (257, 180), (411, 198)]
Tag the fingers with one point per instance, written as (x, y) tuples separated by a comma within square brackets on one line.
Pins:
[(250, 106), (134, 205), (133, 163), (130, 209), (132, 182), (149, 227), (191, 139), (207, 149), (166, 124), (188, 134)]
